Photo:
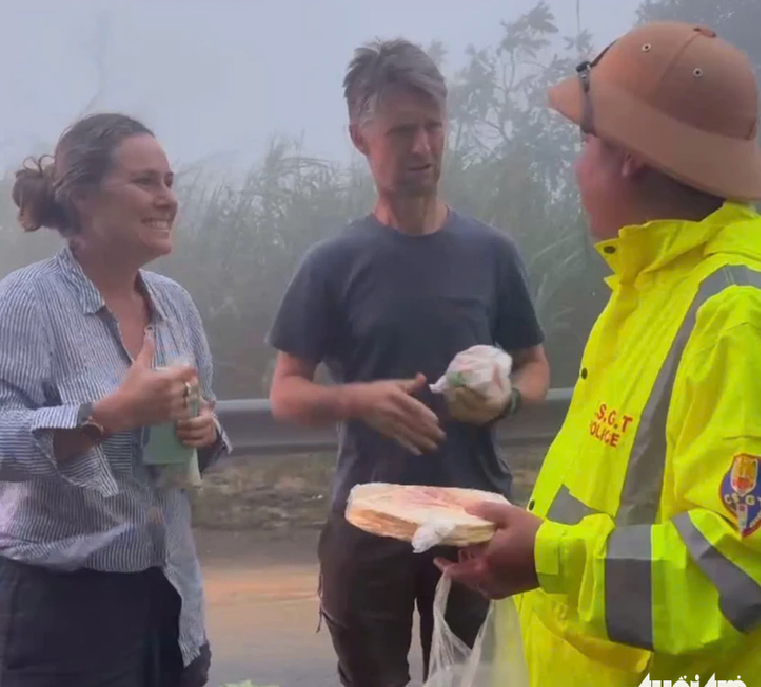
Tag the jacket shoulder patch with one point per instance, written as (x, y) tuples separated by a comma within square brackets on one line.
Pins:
[(741, 492)]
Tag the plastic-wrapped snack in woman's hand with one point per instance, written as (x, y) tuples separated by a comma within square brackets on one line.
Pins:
[(476, 385)]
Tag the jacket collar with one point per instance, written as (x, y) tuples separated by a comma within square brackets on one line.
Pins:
[(650, 247), (90, 298)]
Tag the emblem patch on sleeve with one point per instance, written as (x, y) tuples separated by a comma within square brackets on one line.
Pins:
[(741, 492)]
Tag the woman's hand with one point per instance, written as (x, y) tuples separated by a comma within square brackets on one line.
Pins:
[(198, 432), (148, 396)]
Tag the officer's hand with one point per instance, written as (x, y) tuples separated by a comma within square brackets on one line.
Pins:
[(467, 405), (504, 566)]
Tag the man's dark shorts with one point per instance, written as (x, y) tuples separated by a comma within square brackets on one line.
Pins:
[(369, 589)]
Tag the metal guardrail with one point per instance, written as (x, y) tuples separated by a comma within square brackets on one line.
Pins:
[(253, 431)]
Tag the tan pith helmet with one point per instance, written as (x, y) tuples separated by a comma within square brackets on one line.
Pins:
[(678, 97)]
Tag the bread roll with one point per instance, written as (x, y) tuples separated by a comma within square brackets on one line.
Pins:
[(409, 513)]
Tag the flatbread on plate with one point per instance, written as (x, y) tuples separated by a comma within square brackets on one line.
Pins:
[(399, 511)]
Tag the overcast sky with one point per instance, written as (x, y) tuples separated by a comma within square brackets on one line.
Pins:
[(221, 77)]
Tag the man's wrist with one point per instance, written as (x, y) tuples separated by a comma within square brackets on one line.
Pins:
[(513, 404), (346, 403)]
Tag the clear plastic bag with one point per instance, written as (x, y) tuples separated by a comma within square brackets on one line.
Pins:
[(484, 369), (497, 658)]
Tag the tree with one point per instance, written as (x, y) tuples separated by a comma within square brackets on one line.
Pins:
[(240, 245), (508, 163)]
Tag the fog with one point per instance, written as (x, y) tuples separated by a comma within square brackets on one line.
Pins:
[(246, 97), (217, 78)]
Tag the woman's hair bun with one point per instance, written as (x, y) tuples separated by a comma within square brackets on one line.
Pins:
[(34, 195)]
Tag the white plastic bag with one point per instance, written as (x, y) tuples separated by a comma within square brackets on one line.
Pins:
[(432, 534), (497, 658), (437, 526), (484, 369)]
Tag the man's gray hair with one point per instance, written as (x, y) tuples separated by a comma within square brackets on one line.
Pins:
[(381, 65)]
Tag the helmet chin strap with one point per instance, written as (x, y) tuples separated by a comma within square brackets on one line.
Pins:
[(584, 70)]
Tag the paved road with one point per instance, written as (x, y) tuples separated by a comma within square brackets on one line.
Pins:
[(262, 611)]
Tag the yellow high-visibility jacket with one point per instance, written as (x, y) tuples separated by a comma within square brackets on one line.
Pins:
[(649, 556)]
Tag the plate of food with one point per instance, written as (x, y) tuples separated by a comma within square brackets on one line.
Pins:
[(422, 515)]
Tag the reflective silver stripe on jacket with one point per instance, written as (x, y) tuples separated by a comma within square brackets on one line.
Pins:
[(739, 594), (628, 570)]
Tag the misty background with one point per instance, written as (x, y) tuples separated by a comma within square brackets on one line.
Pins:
[(246, 98)]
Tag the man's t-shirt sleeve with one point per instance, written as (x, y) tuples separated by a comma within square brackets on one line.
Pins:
[(517, 324), (305, 322)]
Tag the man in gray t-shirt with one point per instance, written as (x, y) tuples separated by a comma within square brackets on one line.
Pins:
[(386, 305)]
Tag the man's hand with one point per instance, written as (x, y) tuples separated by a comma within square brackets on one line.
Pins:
[(389, 408), (504, 566), (467, 405)]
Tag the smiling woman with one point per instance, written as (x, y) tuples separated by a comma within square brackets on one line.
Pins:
[(95, 352), (108, 187)]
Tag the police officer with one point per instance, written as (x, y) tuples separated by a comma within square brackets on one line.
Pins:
[(640, 552)]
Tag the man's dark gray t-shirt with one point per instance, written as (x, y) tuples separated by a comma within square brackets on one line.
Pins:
[(373, 303)]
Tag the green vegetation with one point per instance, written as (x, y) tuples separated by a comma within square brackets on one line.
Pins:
[(509, 163)]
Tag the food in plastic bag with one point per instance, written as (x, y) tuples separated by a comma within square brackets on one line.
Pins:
[(497, 658), (423, 516), (426, 517), (483, 369)]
